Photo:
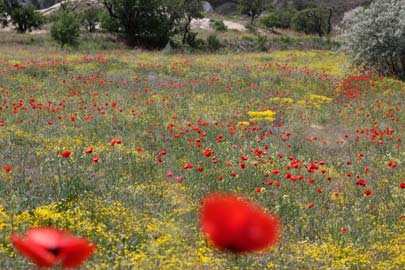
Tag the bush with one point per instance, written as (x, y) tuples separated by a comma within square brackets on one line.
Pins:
[(66, 29), (313, 21), (278, 19), (377, 36), (26, 18), (260, 43), (219, 26), (213, 43), (144, 23)]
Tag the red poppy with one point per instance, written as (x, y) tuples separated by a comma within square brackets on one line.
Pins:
[(258, 190), (361, 182), (269, 182), (233, 223), (275, 171), (188, 166), (310, 205), (368, 192), (89, 150), (391, 164), (207, 152), (95, 159), (66, 154), (402, 185), (162, 152), (7, 168), (50, 246)]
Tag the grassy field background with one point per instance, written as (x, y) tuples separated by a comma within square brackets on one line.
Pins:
[(148, 118)]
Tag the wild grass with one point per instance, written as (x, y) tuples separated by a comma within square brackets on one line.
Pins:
[(147, 115)]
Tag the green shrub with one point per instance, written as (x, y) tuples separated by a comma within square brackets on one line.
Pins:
[(66, 29), (26, 18), (278, 19), (312, 21), (213, 43), (260, 43), (143, 23), (219, 26)]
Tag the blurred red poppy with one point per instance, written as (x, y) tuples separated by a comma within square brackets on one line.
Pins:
[(361, 182), (188, 166), (50, 246), (88, 150), (7, 168), (66, 154), (368, 192), (233, 223), (207, 152)]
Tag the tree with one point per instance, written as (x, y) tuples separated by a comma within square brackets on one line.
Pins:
[(189, 9), (313, 21), (377, 36), (66, 28), (145, 23), (26, 18), (251, 8), (90, 17), (280, 18)]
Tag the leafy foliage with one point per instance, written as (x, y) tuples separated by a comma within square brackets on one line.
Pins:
[(213, 43), (185, 11), (278, 19), (377, 36), (313, 21), (66, 29), (26, 18), (90, 17), (3, 13), (251, 8), (145, 23), (219, 25)]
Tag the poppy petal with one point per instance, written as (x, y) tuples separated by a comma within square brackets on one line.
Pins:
[(75, 251), (39, 255), (233, 223), (47, 238)]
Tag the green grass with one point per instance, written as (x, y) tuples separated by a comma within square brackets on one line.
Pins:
[(139, 218)]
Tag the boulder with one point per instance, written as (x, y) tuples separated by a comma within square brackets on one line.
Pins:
[(207, 7)]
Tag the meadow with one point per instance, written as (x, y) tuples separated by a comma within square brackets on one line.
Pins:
[(121, 146)]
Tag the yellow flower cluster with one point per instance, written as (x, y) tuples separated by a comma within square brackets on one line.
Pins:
[(267, 115), (314, 101), (282, 100)]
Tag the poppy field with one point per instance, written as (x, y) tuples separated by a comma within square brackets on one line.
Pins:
[(121, 147)]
